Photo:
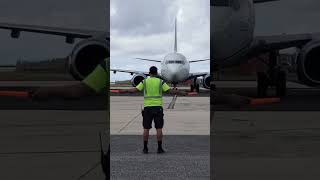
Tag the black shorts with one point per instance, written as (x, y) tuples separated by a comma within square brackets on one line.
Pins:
[(153, 113)]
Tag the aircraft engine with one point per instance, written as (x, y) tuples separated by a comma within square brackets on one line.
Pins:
[(308, 64), (136, 79), (86, 55), (206, 81)]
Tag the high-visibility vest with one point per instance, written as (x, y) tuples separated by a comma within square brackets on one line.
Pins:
[(152, 87)]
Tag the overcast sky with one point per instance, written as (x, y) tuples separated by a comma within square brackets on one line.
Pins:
[(145, 29), (82, 14)]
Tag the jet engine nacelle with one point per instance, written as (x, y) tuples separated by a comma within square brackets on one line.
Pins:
[(206, 81), (86, 55), (136, 79), (308, 64)]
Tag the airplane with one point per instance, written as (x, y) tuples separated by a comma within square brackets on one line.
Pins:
[(91, 50), (175, 69), (233, 43)]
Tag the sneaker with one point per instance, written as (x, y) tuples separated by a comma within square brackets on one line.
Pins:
[(160, 151), (145, 150)]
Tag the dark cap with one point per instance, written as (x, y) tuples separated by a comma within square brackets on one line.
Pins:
[(153, 70)]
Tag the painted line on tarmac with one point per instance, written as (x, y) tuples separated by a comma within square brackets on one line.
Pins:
[(139, 114), (173, 102)]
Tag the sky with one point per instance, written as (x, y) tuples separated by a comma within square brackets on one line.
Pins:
[(79, 14), (145, 29)]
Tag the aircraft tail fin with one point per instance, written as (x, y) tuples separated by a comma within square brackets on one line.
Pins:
[(175, 35)]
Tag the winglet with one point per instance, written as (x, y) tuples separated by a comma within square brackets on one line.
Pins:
[(175, 35)]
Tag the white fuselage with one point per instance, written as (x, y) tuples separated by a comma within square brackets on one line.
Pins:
[(232, 29), (175, 68)]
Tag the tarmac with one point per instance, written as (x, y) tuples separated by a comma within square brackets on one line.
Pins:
[(54, 139), (59, 139), (275, 141), (189, 117), (186, 140)]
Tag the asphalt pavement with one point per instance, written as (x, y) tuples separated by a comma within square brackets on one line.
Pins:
[(272, 141), (186, 157)]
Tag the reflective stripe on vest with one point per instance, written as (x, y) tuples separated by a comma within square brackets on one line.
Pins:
[(145, 89)]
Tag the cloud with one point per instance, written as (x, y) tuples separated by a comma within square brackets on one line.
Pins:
[(145, 28)]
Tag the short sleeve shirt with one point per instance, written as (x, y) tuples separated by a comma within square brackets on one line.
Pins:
[(152, 97)]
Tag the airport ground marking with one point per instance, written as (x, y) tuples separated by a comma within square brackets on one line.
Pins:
[(125, 126)]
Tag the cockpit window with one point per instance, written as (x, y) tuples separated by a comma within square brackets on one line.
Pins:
[(225, 3), (174, 62)]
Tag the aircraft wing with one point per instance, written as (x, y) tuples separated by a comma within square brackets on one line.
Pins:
[(263, 44), (198, 60), (198, 74), (69, 33), (152, 60), (129, 71)]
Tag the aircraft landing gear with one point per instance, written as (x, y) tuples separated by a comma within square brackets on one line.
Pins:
[(274, 77), (195, 86), (262, 84)]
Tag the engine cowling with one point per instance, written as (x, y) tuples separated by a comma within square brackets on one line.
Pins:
[(136, 79), (86, 55), (308, 64), (206, 81)]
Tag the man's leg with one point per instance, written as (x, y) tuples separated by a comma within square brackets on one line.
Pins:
[(145, 140), (159, 134), (159, 138), (147, 122), (159, 125)]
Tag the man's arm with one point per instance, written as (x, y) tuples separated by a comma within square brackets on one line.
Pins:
[(138, 88), (132, 90), (173, 91)]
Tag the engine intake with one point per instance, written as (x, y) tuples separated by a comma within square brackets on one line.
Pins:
[(206, 81), (308, 64), (86, 56), (136, 79)]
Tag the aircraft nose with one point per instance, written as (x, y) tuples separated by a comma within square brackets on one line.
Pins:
[(177, 76), (174, 73)]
